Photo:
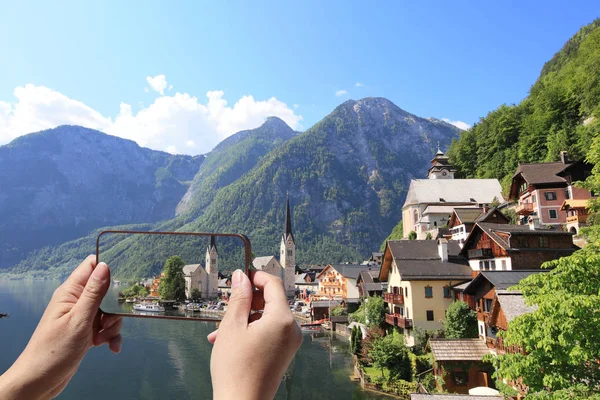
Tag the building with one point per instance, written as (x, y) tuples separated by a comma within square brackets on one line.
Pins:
[(458, 364), (339, 282), (376, 258), (321, 309), (488, 295), (463, 220), (577, 214), (305, 285), (542, 188), (419, 276), (285, 267), (430, 202), (204, 280), (156, 285), (368, 283), (506, 247), (224, 287)]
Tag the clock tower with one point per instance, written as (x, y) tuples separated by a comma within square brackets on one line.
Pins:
[(441, 167), (212, 268), (287, 255)]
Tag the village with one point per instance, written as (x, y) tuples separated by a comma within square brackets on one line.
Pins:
[(465, 246)]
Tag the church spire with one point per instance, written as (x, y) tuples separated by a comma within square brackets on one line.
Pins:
[(288, 219), (213, 244)]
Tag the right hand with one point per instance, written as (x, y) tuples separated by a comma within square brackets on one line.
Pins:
[(250, 355)]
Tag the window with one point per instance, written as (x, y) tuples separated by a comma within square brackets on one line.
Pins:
[(406, 292), (503, 267), (481, 265), (213, 261), (446, 292), (567, 194), (543, 241), (460, 378), (493, 265), (429, 315), (428, 292), (550, 196), (289, 252), (401, 311), (481, 329), (487, 305), (533, 199), (552, 214)]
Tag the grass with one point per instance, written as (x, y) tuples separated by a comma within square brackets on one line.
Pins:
[(374, 372)]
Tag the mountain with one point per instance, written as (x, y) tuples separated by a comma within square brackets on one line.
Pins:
[(346, 177), (561, 112), (61, 183), (231, 159)]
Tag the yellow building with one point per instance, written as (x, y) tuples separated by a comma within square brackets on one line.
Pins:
[(419, 275)]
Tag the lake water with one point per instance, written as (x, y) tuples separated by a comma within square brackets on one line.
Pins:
[(167, 359)]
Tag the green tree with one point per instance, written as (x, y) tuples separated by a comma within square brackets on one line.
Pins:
[(397, 234), (136, 290), (195, 294), (391, 353), (337, 311), (460, 322), (428, 236), (375, 310), (172, 286), (412, 235)]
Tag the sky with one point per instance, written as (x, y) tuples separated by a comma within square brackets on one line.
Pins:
[(182, 76)]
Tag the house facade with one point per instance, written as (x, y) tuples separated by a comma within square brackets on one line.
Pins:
[(419, 276), (430, 202), (463, 220), (495, 305), (505, 247), (339, 282), (541, 189)]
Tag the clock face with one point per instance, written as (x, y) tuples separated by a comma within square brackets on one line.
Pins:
[(444, 172)]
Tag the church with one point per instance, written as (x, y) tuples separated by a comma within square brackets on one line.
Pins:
[(206, 280), (285, 267), (430, 202)]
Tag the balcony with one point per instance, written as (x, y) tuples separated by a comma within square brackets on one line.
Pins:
[(580, 219), (524, 209), (393, 298), (481, 253), (399, 321)]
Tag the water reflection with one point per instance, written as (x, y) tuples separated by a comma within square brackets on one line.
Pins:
[(168, 359)]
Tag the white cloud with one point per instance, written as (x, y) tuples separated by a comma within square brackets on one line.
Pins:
[(158, 83), (178, 122), (459, 124), (359, 84), (171, 149), (170, 87), (341, 92), (296, 106)]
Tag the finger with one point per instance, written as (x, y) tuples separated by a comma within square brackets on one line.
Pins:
[(106, 335), (212, 336), (240, 301), (109, 320), (258, 300), (81, 274), (115, 344), (93, 293), (273, 293)]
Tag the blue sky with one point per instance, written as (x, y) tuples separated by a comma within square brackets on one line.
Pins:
[(88, 63)]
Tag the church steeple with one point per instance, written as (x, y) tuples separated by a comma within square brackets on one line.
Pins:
[(212, 268), (440, 166), (212, 245), (287, 233)]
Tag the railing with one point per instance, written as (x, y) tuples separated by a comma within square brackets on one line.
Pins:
[(480, 253), (393, 298), (334, 283), (524, 208), (399, 321), (582, 219)]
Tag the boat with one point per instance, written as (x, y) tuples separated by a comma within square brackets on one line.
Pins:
[(194, 307), (148, 307), (129, 301), (4, 315)]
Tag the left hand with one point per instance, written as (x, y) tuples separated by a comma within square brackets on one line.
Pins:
[(70, 326)]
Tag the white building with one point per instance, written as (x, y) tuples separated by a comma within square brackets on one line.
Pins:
[(430, 202), (205, 280)]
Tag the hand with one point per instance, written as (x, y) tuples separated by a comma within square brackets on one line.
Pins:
[(251, 355), (70, 326)]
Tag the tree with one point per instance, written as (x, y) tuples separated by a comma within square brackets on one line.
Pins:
[(374, 333), (428, 236), (375, 310), (195, 294), (460, 322), (135, 290), (560, 338), (412, 235), (172, 286), (390, 352), (337, 311), (355, 340)]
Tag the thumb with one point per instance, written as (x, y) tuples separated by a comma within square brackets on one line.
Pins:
[(93, 293), (240, 301)]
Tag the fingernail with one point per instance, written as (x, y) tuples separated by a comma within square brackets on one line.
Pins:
[(100, 272), (236, 279)]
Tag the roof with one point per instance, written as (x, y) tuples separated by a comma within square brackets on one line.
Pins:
[(462, 286), (223, 282), (538, 173), (513, 305), (492, 230), (301, 278), (447, 209), (191, 268), (352, 271), (458, 349), (492, 212), (324, 303), (372, 287), (501, 280), (468, 215), (370, 275), (466, 191), (574, 204), (260, 262), (420, 260), (418, 396)]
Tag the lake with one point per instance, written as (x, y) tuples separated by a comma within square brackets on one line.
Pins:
[(168, 359)]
